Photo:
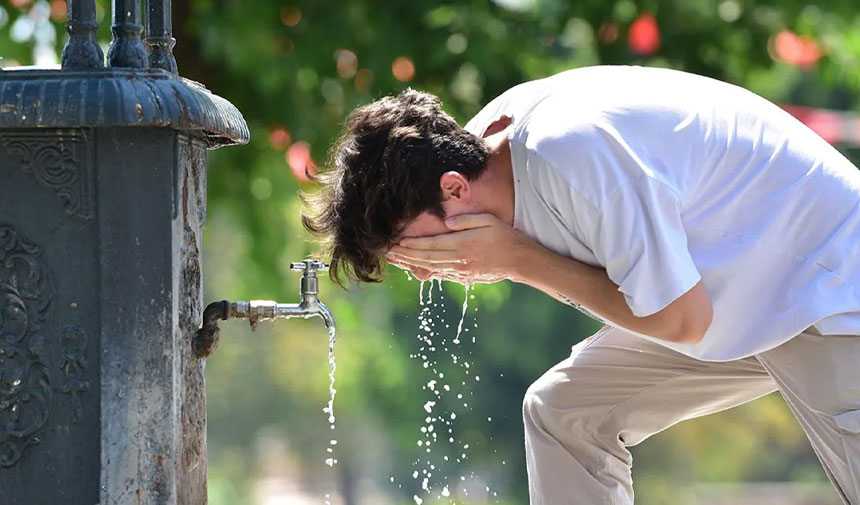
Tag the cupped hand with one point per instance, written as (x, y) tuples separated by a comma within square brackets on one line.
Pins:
[(423, 274), (418, 272), (479, 249)]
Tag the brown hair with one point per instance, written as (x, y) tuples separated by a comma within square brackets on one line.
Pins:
[(385, 172)]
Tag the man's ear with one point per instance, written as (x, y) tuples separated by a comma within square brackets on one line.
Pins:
[(455, 186)]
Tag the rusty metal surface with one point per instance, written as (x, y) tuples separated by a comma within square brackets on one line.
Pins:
[(207, 337), (151, 214), (117, 97), (191, 464)]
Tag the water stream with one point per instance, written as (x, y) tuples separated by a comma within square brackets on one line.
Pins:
[(329, 409), (462, 318)]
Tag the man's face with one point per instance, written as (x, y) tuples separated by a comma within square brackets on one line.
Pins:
[(428, 224), (457, 198), (425, 225)]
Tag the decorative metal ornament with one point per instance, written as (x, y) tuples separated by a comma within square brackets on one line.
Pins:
[(26, 304)]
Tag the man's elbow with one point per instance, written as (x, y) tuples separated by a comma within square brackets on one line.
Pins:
[(687, 319), (694, 325)]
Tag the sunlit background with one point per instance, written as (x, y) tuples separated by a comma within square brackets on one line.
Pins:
[(295, 70)]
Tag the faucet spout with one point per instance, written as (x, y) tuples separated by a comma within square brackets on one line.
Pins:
[(307, 308), (327, 317)]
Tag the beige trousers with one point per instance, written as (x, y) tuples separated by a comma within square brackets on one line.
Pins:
[(616, 389)]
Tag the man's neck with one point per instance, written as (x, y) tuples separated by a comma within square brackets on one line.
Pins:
[(496, 185)]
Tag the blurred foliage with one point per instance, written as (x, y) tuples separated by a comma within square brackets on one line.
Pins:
[(295, 70)]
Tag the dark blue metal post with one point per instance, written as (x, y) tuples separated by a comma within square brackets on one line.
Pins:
[(127, 49), (82, 50), (159, 35)]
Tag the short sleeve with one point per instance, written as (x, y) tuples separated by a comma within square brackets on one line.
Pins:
[(627, 215), (640, 241), (613, 196)]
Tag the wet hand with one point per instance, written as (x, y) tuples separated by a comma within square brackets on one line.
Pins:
[(417, 272), (423, 274), (479, 249)]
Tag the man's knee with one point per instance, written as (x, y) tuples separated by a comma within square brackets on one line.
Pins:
[(556, 402), (533, 400)]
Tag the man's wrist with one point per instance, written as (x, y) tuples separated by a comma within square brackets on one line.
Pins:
[(524, 256)]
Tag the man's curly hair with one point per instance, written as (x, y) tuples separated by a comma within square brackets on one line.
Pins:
[(384, 172)]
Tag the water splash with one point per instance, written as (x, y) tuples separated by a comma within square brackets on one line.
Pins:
[(430, 293), (439, 425), (463, 316)]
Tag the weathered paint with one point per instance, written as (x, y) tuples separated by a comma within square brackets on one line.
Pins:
[(117, 97)]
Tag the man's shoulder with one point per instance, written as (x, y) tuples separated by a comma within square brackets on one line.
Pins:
[(520, 99), (563, 143), (511, 103)]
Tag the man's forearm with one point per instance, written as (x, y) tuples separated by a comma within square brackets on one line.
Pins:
[(481, 248), (576, 283)]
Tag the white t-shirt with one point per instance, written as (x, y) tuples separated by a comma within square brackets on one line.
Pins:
[(664, 178)]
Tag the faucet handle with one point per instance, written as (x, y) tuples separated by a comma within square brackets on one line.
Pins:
[(309, 266)]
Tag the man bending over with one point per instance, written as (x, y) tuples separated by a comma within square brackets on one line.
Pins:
[(716, 236)]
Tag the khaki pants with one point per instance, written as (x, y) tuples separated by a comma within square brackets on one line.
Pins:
[(616, 389)]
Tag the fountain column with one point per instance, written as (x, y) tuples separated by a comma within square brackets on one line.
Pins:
[(102, 206)]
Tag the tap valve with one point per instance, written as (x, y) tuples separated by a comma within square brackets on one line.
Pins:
[(310, 282), (309, 266)]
